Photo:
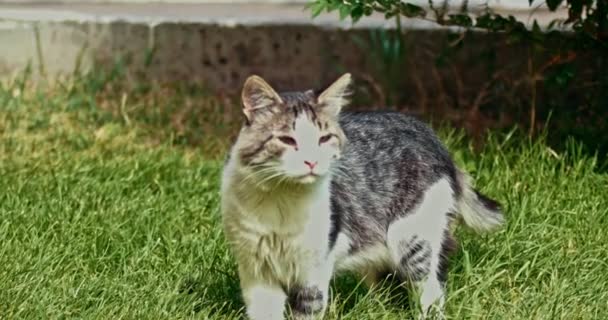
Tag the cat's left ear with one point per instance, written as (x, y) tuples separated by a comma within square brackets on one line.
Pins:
[(258, 94), (336, 95)]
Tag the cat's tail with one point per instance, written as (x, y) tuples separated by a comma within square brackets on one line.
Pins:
[(479, 212)]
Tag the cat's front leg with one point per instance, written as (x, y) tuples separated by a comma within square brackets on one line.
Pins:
[(263, 299), (264, 302), (308, 300)]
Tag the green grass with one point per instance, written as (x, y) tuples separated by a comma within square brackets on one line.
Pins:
[(109, 209)]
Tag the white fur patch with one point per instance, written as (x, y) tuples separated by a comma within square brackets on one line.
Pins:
[(429, 222), (473, 212), (308, 149), (279, 237), (364, 262), (264, 302)]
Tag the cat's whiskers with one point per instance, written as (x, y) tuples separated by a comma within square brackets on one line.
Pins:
[(269, 178), (256, 174)]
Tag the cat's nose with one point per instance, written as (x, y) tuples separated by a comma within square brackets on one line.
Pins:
[(310, 164)]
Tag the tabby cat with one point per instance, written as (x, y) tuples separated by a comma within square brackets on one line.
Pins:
[(308, 191)]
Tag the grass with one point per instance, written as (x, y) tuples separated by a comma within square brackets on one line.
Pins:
[(109, 209)]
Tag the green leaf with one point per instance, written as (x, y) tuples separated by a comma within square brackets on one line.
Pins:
[(553, 4), (462, 20), (536, 28), (344, 11), (356, 13), (389, 15), (484, 21), (411, 10), (316, 7)]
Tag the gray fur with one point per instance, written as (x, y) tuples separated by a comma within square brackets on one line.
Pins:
[(392, 194), (388, 163), (415, 262)]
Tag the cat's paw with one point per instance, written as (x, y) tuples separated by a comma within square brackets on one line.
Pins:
[(306, 303)]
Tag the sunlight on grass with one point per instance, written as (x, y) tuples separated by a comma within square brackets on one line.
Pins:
[(109, 208)]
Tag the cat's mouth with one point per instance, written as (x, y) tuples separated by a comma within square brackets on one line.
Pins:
[(310, 177)]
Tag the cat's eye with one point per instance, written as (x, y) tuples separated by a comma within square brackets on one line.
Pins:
[(288, 140), (325, 138)]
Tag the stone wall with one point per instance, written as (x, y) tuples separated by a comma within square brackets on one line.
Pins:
[(467, 78), (221, 57)]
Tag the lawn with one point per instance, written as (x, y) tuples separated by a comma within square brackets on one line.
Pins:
[(109, 209)]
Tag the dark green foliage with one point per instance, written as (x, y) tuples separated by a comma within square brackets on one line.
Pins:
[(359, 8), (594, 23), (561, 76), (388, 50)]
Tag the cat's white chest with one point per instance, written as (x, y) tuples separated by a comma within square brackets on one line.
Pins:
[(299, 224), (282, 215), (282, 256), (285, 235)]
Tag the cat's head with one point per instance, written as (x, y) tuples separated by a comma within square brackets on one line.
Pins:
[(292, 136)]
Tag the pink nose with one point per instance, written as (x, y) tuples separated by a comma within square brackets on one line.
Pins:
[(311, 165)]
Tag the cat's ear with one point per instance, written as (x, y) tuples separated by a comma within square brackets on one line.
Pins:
[(336, 95), (258, 94)]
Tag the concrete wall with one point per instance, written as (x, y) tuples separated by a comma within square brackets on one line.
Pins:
[(220, 44), (507, 4)]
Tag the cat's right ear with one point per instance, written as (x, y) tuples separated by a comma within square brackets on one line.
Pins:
[(258, 94), (336, 96)]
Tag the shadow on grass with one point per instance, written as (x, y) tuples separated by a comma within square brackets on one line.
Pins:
[(351, 294), (216, 292)]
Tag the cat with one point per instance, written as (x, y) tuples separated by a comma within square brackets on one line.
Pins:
[(308, 191)]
